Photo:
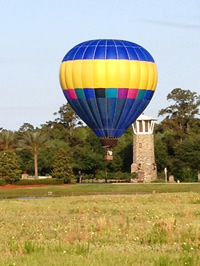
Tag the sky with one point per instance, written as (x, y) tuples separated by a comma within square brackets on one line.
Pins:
[(36, 35)]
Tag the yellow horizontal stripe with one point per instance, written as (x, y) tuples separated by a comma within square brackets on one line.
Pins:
[(108, 74)]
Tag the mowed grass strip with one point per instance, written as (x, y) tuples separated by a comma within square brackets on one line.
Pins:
[(149, 229), (89, 189)]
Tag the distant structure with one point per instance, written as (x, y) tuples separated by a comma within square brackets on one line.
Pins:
[(143, 149)]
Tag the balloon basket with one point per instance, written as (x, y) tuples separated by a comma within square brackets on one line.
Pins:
[(108, 142), (109, 154), (108, 157)]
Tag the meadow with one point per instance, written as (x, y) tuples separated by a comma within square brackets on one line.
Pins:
[(110, 229)]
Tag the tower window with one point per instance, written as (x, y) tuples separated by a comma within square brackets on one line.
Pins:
[(140, 126), (146, 125)]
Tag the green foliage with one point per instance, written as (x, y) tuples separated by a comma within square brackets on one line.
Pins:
[(181, 115), (126, 176), (111, 175), (45, 161), (7, 140), (123, 153), (26, 162), (9, 168), (125, 150), (26, 127), (45, 181), (2, 182), (123, 176), (177, 136), (176, 144), (62, 168), (68, 117), (100, 174), (164, 149), (30, 247), (185, 174), (189, 152), (33, 141), (87, 154), (134, 175), (186, 104)]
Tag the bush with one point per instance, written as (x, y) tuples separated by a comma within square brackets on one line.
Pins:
[(47, 181), (73, 181), (9, 168), (118, 175), (100, 174), (134, 175), (126, 177), (111, 175), (87, 176), (2, 182), (62, 168)]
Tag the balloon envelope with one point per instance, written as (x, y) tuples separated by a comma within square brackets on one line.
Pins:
[(108, 83)]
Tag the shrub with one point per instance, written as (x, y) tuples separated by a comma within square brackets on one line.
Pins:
[(126, 176), (2, 182), (111, 175), (47, 181), (62, 168), (134, 175), (88, 176), (118, 175), (100, 175), (73, 181), (9, 168)]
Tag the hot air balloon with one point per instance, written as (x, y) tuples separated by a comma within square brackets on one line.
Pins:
[(108, 83)]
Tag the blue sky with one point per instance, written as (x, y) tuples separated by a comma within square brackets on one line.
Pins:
[(36, 34)]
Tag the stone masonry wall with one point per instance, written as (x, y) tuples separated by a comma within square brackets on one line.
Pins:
[(144, 157)]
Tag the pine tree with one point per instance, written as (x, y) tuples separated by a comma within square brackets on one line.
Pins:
[(62, 168), (9, 169)]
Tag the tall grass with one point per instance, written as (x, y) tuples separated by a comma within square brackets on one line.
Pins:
[(151, 229)]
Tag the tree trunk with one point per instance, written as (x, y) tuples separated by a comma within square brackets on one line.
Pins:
[(35, 164), (106, 175)]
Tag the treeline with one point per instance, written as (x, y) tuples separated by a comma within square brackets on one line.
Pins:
[(66, 148), (177, 137)]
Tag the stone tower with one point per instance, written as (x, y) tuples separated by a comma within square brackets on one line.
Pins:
[(143, 149)]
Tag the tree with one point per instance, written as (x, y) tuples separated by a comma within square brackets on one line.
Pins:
[(9, 168), (62, 168), (68, 118), (25, 127), (164, 149), (181, 115), (123, 152), (87, 152), (188, 152), (7, 140), (33, 141), (26, 162)]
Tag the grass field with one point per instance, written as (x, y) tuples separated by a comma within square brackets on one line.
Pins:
[(89, 189), (111, 229)]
